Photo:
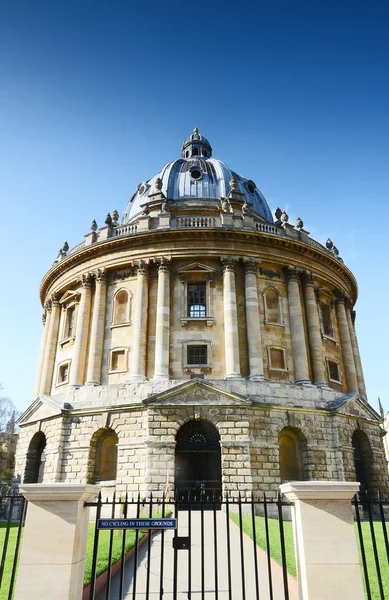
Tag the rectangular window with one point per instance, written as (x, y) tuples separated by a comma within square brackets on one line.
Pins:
[(64, 373), (197, 355), (326, 319), (333, 371), (196, 300), (69, 328), (277, 358), (118, 360)]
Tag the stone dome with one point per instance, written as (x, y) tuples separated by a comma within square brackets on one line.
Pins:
[(196, 176)]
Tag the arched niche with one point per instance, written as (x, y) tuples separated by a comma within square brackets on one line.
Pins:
[(293, 453), (35, 463), (198, 461), (103, 456)]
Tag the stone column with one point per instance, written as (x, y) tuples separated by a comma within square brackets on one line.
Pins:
[(51, 347), (162, 333), (345, 342), (325, 541), (231, 339), (52, 558), (357, 356), (77, 369), (314, 333), (96, 345), (139, 336), (42, 351), (254, 341), (299, 348)]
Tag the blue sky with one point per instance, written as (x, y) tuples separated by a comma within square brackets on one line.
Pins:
[(96, 97)]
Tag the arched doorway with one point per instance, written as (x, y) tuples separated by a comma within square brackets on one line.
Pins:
[(35, 462), (198, 461), (363, 462)]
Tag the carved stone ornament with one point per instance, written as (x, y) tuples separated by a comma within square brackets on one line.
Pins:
[(308, 278), (341, 296), (250, 265), (54, 300), (284, 217), (228, 263), (101, 275), (291, 273), (278, 213), (353, 316), (225, 205), (299, 223), (269, 273), (85, 280), (142, 266), (165, 206), (233, 184), (93, 226), (329, 244), (158, 184), (115, 218), (121, 275), (246, 210), (163, 263), (108, 220)]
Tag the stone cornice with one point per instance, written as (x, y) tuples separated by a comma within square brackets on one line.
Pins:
[(328, 268)]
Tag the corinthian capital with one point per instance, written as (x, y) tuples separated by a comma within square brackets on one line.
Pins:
[(101, 275), (291, 273), (308, 278), (163, 263), (251, 265), (86, 280), (229, 263), (142, 266)]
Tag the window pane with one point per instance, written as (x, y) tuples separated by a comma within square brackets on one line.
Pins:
[(106, 459), (196, 300), (326, 320), (197, 355), (334, 370), (70, 321)]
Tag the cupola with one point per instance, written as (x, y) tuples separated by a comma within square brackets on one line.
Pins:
[(196, 145)]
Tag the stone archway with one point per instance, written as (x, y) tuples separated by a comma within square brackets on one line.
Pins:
[(363, 462), (35, 459), (198, 461)]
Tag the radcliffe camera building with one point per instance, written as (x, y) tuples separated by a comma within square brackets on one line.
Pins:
[(197, 344)]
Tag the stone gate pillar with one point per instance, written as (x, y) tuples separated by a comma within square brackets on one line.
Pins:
[(325, 539), (52, 559)]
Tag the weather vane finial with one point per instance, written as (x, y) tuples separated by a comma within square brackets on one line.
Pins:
[(196, 130)]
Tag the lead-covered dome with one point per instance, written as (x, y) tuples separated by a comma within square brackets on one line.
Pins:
[(196, 176)]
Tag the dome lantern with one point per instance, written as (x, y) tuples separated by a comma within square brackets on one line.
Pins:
[(196, 145)]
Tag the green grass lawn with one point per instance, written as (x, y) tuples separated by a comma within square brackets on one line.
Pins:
[(274, 534), (103, 552), (275, 548), (9, 558)]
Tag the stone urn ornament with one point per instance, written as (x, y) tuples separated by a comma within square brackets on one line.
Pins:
[(299, 223), (93, 225)]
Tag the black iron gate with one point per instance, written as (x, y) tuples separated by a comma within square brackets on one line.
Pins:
[(12, 518), (241, 552)]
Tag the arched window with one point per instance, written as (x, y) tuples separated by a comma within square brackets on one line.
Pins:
[(363, 461), (35, 462), (103, 456), (121, 308), (272, 301), (292, 448)]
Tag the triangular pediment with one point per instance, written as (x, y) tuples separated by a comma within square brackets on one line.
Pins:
[(42, 408), (195, 268), (353, 405), (196, 392), (68, 296)]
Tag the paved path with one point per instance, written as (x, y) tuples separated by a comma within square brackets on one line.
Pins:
[(209, 566)]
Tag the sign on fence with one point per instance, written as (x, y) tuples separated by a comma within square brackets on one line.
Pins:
[(137, 524)]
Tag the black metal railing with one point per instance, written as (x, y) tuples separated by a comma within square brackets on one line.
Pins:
[(372, 525), (12, 518), (223, 547)]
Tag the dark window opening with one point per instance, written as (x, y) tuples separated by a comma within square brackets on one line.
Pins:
[(333, 369), (326, 319), (205, 153), (195, 174), (70, 322), (196, 300), (195, 152), (64, 373), (197, 355)]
